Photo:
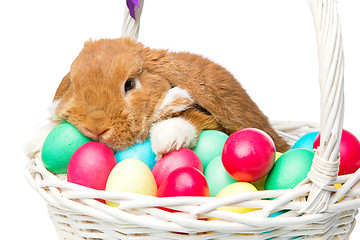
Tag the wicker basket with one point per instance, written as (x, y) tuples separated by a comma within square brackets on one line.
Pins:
[(313, 207)]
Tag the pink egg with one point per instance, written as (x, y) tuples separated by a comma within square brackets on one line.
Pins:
[(349, 152), (90, 165), (248, 154), (183, 157), (184, 181)]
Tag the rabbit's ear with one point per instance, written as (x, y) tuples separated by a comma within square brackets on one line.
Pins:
[(211, 101), (63, 87)]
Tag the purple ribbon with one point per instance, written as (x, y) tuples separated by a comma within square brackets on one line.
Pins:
[(131, 5)]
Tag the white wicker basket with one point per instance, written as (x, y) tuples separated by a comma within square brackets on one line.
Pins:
[(76, 215)]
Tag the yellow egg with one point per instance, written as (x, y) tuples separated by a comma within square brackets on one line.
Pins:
[(236, 188), (131, 175), (338, 185), (277, 155), (260, 184)]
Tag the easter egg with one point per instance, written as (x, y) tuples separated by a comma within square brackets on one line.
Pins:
[(216, 176), (141, 151), (338, 186), (290, 169), (306, 141), (236, 188), (183, 157), (91, 165), (248, 154), (277, 155), (278, 213), (131, 175), (184, 181), (209, 145), (349, 152), (260, 184), (60, 145)]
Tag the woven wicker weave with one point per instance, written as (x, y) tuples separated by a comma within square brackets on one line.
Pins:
[(313, 209)]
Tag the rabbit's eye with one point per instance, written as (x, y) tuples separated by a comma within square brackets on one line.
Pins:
[(130, 84)]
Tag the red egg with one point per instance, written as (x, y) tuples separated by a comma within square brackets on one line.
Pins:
[(248, 154), (90, 165), (349, 152), (184, 181), (183, 157)]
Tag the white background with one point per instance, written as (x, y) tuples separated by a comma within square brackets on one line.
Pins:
[(268, 45)]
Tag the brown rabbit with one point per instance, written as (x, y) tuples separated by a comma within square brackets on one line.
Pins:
[(119, 92)]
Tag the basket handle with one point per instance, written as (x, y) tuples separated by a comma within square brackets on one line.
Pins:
[(325, 165), (131, 25)]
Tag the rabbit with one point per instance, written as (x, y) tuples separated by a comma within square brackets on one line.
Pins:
[(120, 92)]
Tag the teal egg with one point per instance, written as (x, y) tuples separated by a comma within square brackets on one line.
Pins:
[(209, 145), (290, 169), (141, 151), (217, 177), (278, 213), (306, 141), (60, 145)]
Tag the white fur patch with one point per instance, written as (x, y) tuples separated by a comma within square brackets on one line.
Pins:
[(171, 134), (175, 100), (52, 110)]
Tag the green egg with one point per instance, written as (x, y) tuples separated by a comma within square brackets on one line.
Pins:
[(290, 169), (217, 177), (60, 145), (209, 145)]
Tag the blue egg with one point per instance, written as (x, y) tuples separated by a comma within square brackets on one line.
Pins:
[(306, 141), (140, 151), (275, 214)]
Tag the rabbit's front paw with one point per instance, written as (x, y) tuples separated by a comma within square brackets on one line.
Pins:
[(172, 134)]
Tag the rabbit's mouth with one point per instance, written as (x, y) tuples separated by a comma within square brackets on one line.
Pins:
[(107, 136), (102, 135)]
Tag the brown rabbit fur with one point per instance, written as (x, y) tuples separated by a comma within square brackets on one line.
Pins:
[(115, 93)]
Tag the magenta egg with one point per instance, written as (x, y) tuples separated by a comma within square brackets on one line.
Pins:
[(349, 152), (184, 181), (248, 154), (90, 165), (183, 157)]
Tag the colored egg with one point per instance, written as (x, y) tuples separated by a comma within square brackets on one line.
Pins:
[(217, 177), (338, 186), (141, 151), (349, 152), (237, 188), (91, 165), (183, 157), (290, 169), (306, 141), (248, 154), (277, 155), (209, 145), (278, 213), (184, 181), (131, 175), (60, 145), (260, 184)]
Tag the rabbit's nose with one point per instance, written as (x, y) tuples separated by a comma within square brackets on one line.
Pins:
[(95, 125), (95, 132)]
